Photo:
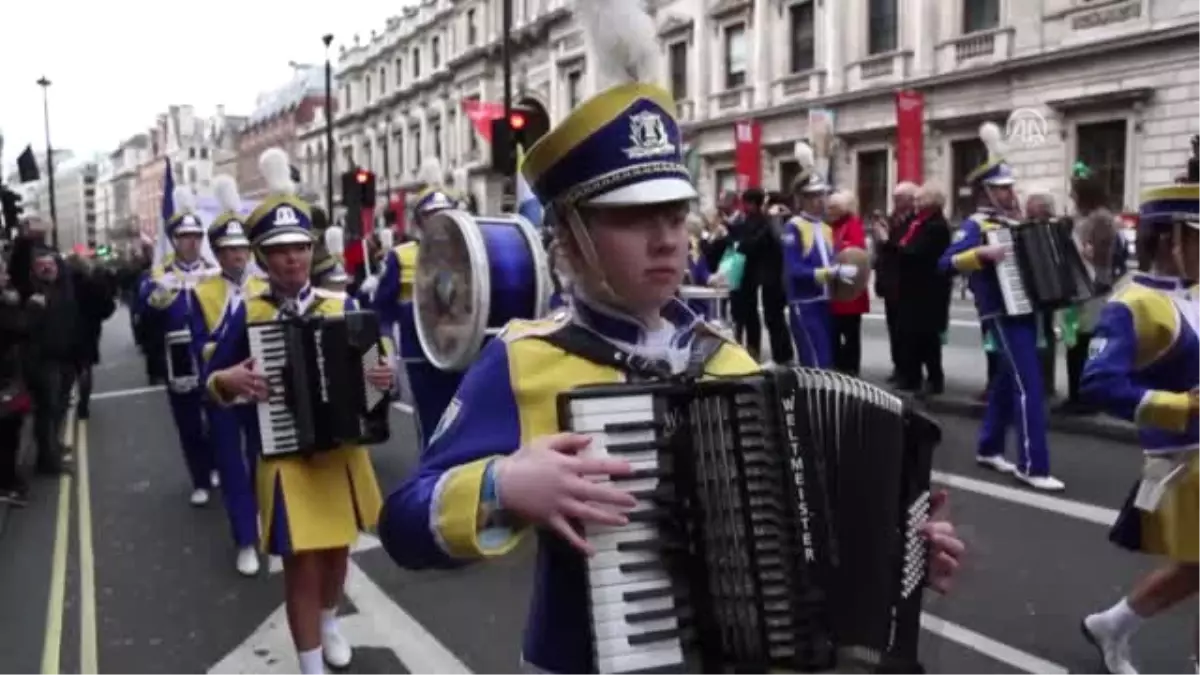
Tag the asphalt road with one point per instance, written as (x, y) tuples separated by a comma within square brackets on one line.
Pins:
[(154, 590)]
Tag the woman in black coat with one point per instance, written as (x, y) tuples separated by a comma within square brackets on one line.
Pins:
[(923, 293)]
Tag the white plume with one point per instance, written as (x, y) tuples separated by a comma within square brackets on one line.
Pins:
[(431, 173), (989, 133), (276, 170), (185, 200), (335, 241), (624, 38), (226, 190), (460, 179), (804, 155), (387, 239)]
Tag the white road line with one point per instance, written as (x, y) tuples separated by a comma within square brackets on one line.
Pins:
[(1065, 507), (988, 647), (122, 393)]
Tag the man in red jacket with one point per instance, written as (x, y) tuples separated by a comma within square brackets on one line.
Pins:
[(848, 232)]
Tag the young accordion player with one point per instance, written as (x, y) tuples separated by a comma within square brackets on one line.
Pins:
[(312, 506), (498, 465)]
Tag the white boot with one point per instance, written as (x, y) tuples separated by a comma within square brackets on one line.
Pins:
[(1113, 648), (336, 649), (214, 479), (199, 497), (247, 561)]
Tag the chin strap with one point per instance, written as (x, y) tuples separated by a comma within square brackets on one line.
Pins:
[(601, 290)]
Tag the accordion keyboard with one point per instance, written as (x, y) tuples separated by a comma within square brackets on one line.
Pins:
[(276, 424), (635, 610), (1008, 274)]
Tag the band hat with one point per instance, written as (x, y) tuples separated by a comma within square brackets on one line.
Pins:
[(621, 147), (808, 180), (335, 253), (227, 230), (282, 217), (333, 274), (995, 171), (432, 200), (184, 220), (1162, 207)]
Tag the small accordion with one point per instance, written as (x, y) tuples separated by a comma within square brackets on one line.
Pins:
[(778, 526), (1044, 270), (319, 396)]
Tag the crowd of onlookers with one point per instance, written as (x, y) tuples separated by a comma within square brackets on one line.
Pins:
[(51, 311)]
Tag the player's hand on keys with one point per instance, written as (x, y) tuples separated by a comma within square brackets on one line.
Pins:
[(546, 482), (992, 253), (242, 381), (945, 548), (379, 377)]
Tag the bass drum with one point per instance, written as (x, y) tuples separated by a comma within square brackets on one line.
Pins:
[(474, 274)]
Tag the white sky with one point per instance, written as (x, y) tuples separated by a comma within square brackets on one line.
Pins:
[(116, 64)]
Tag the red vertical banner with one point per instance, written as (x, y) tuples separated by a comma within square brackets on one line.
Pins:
[(910, 136), (747, 154)]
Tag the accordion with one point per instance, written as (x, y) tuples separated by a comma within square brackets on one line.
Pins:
[(182, 373), (1043, 270), (772, 532), (319, 395)]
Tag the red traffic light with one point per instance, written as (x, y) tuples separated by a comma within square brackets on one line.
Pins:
[(516, 121), (361, 177)]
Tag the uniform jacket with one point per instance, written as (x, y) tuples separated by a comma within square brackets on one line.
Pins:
[(1144, 358), (394, 294), (807, 255), (962, 257), (217, 299), (508, 398)]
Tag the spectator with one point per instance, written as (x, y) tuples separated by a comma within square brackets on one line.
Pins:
[(759, 242), (922, 293), (1039, 208), (53, 354), (14, 397), (886, 231), (96, 303), (846, 333)]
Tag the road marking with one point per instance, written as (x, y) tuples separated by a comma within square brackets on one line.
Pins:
[(122, 393), (958, 323), (88, 657), (56, 603), (1065, 507), (988, 647), (380, 623)]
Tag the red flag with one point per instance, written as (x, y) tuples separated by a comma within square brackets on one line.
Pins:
[(481, 114), (747, 154), (910, 136)]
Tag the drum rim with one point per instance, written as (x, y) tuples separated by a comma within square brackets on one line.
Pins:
[(481, 295), (709, 293)]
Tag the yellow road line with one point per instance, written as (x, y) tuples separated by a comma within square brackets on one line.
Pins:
[(88, 658), (52, 639)]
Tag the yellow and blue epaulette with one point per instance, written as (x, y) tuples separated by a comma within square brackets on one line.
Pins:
[(518, 329)]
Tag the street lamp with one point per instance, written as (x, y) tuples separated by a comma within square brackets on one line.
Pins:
[(45, 85), (327, 40)]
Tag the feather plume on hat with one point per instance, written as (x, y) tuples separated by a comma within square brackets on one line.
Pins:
[(226, 190), (335, 242), (184, 199), (276, 171), (387, 239), (804, 155), (624, 36), (431, 173), (989, 133), (461, 177)]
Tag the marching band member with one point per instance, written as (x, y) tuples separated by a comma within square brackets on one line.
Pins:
[(431, 388), (330, 274), (1015, 395), (169, 298), (496, 467), (1143, 367), (312, 507), (809, 266), (217, 297)]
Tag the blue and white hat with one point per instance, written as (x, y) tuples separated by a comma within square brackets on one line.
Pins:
[(228, 229), (281, 217), (184, 220), (995, 171)]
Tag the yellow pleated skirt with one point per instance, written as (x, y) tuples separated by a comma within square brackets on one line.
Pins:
[(1172, 529), (319, 502)]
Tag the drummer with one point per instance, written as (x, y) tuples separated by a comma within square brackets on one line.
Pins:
[(431, 388)]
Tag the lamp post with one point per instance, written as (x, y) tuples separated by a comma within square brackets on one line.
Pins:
[(44, 83), (327, 40), (506, 57)]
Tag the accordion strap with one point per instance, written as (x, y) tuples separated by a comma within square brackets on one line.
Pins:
[(577, 340)]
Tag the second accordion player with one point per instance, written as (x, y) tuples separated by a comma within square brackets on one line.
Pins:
[(778, 527)]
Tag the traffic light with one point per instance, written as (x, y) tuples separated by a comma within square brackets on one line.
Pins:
[(358, 189), (11, 207), (507, 132)]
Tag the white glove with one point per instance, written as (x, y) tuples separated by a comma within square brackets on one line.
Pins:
[(846, 273), (369, 284)]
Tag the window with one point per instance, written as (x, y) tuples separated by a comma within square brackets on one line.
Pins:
[(804, 46), (416, 63), (677, 57), (472, 30), (980, 15), (435, 132), (881, 26), (367, 89), (382, 80), (735, 56), (398, 137), (574, 88), (435, 48), (346, 96), (415, 132), (726, 180), (965, 156), (788, 170), (399, 71), (1102, 147), (872, 181)]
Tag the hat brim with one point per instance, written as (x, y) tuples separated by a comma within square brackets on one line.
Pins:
[(282, 238), (654, 191), (187, 229), (1000, 181), (232, 242)]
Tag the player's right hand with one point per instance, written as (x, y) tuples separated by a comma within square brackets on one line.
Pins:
[(242, 381), (992, 252), (547, 483)]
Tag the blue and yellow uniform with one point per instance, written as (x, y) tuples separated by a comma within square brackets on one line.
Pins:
[(807, 265), (168, 296), (506, 400), (1144, 366), (1015, 395)]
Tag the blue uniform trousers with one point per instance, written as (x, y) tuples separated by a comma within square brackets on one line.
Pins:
[(432, 389), (1015, 395), (227, 431), (811, 331), (188, 412)]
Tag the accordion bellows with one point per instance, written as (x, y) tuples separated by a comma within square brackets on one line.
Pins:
[(778, 526)]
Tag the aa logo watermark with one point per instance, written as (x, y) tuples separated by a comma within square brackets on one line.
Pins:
[(1026, 127)]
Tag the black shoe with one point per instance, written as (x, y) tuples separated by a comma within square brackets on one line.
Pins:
[(82, 413)]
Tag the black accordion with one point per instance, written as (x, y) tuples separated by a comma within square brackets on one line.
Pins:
[(778, 524), (1044, 270), (319, 396)]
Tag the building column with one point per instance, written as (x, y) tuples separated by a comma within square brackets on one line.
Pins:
[(761, 75)]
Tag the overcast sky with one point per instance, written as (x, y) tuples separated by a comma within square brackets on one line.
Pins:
[(115, 64)]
